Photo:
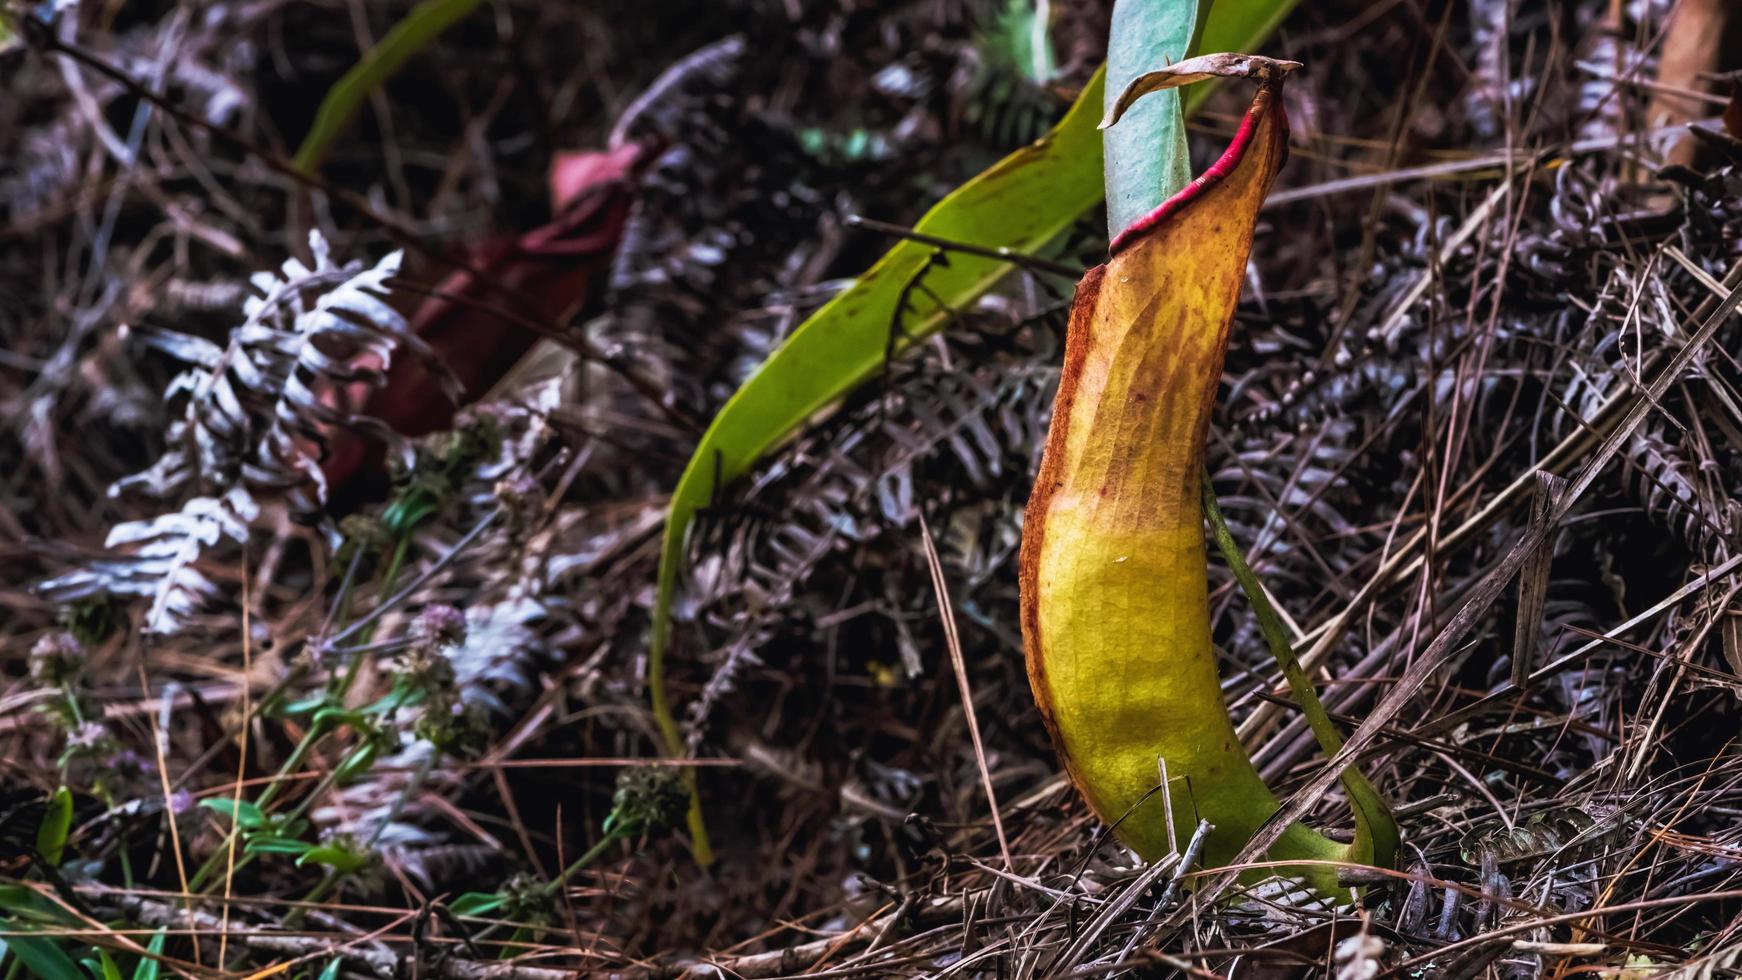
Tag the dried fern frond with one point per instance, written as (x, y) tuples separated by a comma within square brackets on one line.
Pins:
[(857, 485), (160, 565), (502, 642), (255, 411), (1669, 484), (1723, 960), (253, 414)]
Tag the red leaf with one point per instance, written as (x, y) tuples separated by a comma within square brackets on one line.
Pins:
[(480, 329)]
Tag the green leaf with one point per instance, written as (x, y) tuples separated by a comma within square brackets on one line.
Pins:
[(477, 903), (333, 717), (277, 845), (106, 965), (411, 509), (512, 947), (1376, 835), (309, 705), (1017, 39), (357, 764), (1021, 203), (149, 966), (57, 821), (41, 957), (29, 905), (417, 31), (331, 972), (1146, 153), (341, 859), (242, 813)]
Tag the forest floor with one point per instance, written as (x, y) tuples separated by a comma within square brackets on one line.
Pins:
[(404, 731)]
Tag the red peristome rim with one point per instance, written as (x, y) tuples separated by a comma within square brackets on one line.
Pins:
[(1223, 166)]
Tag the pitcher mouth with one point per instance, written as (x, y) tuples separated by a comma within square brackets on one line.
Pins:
[(1264, 101)]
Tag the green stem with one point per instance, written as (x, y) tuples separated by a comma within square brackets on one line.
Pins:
[(1373, 816), (221, 856), (293, 918), (291, 763), (400, 548), (72, 700), (341, 611), (219, 859), (556, 884)]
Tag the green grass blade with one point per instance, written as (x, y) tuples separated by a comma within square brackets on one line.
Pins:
[(420, 27), (41, 957), (150, 967), (1022, 203), (1376, 836), (57, 821)]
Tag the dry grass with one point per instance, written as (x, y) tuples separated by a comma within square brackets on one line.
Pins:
[(1475, 270)]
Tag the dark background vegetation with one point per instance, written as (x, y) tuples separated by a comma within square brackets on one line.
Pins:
[(1411, 346)]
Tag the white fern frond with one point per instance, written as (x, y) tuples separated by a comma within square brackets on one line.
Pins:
[(253, 414), (159, 559)]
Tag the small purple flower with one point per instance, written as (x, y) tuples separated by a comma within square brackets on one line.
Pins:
[(88, 738), (57, 659), (127, 764), (440, 626)]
